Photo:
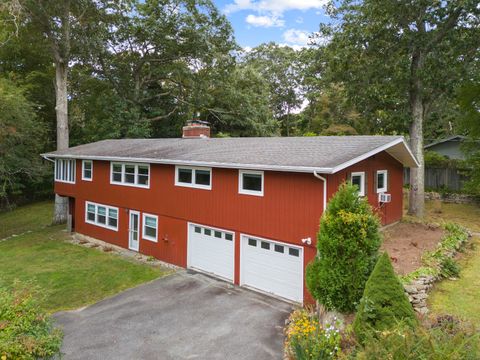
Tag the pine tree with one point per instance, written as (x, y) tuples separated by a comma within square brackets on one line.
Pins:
[(384, 302)]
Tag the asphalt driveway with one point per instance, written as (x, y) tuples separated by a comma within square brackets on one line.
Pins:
[(182, 316)]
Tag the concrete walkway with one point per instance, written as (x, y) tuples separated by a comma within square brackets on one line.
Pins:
[(181, 316)]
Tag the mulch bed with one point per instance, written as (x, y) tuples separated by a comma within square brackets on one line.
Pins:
[(406, 243)]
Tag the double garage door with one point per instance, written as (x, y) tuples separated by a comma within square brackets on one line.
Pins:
[(265, 265)]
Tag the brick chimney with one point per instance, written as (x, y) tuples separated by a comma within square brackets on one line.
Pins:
[(196, 129)]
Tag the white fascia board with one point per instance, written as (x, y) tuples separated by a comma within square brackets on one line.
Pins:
[(410, 152), (375, 151)]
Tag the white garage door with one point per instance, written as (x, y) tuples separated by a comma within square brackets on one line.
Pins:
[(211, 250), (272, 267)]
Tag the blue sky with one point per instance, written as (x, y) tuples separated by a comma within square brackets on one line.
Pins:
[(282, 21)]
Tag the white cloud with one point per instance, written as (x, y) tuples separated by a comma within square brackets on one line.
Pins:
[(276, 7), (264, 21), (296, 37)]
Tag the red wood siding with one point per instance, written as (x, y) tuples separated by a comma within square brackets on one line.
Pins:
[(390, 212), (289, 210)]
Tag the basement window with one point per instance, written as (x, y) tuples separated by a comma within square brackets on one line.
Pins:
[(250, 182), (65, 170), (195, 177), (101, 215), (382, 181), (150, 227), (127, 174), (358, 179)]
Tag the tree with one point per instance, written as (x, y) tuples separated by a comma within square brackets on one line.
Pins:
[(163, 58), (398, 60), (469, 103), (62, 24), (239, 111), (384, 302), (19, 160), (347, 247), (281, 67)]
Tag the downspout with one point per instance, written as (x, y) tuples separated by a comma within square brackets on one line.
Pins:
[(324, 189), (320, 308)]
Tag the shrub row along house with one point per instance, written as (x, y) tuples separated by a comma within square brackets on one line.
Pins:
[(243, 209)]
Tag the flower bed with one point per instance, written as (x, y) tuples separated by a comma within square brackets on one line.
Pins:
[(437, 264), (307, 339)]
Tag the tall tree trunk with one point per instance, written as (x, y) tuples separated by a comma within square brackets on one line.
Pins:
[(61, 108), (416, 205)]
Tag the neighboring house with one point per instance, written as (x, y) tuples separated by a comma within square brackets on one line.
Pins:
[(244, 209), (449, 147)]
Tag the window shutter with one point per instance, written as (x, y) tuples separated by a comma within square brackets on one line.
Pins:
[(366, 183), (388, 181)]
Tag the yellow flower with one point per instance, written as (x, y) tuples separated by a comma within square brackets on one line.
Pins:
[(4, 357)]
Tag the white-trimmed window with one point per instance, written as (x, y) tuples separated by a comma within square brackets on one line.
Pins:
[(87, 170), (130, 174), (382, 181), (150, 227), (358, 179), (101, 215), (250, 182), (65, 170), (196, 177)]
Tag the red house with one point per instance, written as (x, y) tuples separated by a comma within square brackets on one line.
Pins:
[(244, 209)]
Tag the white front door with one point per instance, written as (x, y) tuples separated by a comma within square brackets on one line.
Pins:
[(273, 267), (134, 224), (211, 250)]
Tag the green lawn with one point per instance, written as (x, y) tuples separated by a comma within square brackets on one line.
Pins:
[(25, 218), (467, 215), (68, 276), (461, 297), (457, 297)]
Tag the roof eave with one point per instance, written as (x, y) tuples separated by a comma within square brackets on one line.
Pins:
[(407, 159), (399, 141)]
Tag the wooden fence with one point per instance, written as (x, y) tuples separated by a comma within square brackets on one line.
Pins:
[(449, 178)]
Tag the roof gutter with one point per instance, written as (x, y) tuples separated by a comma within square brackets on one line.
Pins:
[(324, 189), (47, 158), (302, 169)]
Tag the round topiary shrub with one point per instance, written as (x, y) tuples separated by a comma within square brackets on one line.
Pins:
[(384, 303), (347, 245)]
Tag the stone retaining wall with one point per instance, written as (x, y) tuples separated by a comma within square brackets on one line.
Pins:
[(451, 198), (417, 292)]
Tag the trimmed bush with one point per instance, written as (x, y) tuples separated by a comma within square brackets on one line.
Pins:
[(347, 246), (384, 302), (25, 331)]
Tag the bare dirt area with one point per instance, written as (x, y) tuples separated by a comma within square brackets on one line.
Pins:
[(406, 242)]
